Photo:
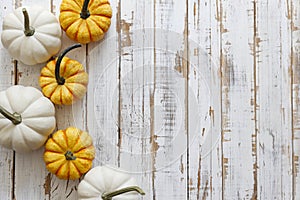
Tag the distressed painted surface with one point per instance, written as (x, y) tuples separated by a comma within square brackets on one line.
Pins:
[(295, 73), (238, 112), (273, 99), (199, 99)]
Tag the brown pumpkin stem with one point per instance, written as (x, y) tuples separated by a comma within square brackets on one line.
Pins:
[(69, 156), (15, 118), (110, 195), (28, 30), (61, 80), (84, 11)]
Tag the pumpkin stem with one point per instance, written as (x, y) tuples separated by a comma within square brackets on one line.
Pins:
[(15, 118), (84, 11), (110, 195), (28, 30), (60, 80), (69, 156)]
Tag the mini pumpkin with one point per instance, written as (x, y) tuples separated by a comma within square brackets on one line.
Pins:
[(27, 118), (64, 80), (69, 153), (31, 35), (103, 182), (85, 21)]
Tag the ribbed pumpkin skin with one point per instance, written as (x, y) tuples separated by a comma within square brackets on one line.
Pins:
[(76, 80), (38, 48), (76, 141), (86, 30)]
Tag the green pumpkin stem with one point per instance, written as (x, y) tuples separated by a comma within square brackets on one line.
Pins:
[(60, 80), (15, 118), (69, 156), (28, 30), (84, 11), (110, 195)]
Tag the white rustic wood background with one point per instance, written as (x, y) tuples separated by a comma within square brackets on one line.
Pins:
[(200, 99)]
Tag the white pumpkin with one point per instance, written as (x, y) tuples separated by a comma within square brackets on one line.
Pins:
[(105, 183), (31, 35), (27, 118)]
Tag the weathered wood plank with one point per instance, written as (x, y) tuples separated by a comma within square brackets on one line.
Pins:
[(238, 113), (103, 92), (7, 79), (296, 96), (168, 100), (136, 81), (272, 48), (205, 177)]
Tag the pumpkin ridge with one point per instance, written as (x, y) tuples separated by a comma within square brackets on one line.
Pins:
[(75, 97), (66, 138), (77, 32), (97, 24), (78, 136), (59, 168), (32, 21), (36, 129), (48, 161), (66, 28), (75, 166), (61, 95), (31, 103), (16, 40), (83, 148), (50, 95), (58, 144), (93, 186), (79, 6), (53, 141), (89, 30), (75, 74), (102, 15), (62, 74), (43, 74), (98, 5), (48, 35), (24, 138), (18, 19), (68, 9), (51, 151), (52, 82), (42, 45), (86, 159), (77, 141), (67, 63), (8, 101)]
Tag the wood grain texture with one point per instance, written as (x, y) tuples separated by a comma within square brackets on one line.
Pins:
[(199, 99), (295, 26), (238, 113), (204, 86), (169, 101), (273, 99), (136, 72)]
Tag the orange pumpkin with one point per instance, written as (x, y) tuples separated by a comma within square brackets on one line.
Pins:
[(69, 153), (64, 80), (85, 21)]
